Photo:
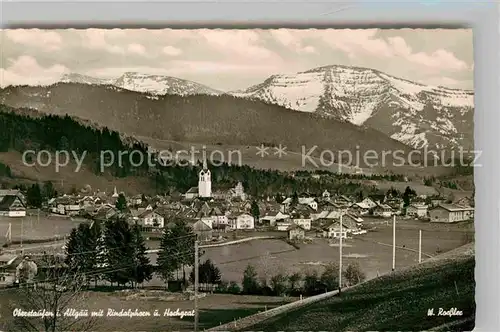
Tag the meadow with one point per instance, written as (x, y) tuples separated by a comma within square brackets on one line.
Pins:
[(373, 250), (32, 227), (396, 302), (215, 309)]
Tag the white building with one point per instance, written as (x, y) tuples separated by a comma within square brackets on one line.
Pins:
[(283, 225), (242, 221), (417, 210), (369, 203), (309, 201), (272, 219), (326, 194), (382, 210), (12, 206), (239, 191), (151, 219), (301, 219), (451, 213), (204, 181), (304, 223)]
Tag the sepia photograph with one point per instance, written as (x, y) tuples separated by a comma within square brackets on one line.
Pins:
[(237, 180)]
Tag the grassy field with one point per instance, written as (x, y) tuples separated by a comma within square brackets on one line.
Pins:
[(373, 251), (396, 302), (214, 309), (33, 228)]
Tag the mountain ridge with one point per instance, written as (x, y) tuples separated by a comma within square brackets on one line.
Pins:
[(415, 114), (146, 83), (370, 97), (205, 119)]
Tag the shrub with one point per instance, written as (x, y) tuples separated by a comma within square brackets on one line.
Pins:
[(279, 284), (353, 274), (233, 288)]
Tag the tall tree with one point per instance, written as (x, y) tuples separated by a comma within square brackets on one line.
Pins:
[(293, 281), (208, 274), (185, 244), (295, 199), (250, 282), (408, 195), (278, 198), (353, 274), (121, 202), (330, 277), (254, 210), (143, 268), (48, 190), (94, 246), (170, 253), (279, 284), (34, 196), (73, 247), (120, 258), (312, 285), (82, 248)]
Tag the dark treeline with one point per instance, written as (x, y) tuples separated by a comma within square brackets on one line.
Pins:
[(309, 283), (49, 132)]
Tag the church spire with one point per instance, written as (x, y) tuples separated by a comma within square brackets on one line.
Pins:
[(204, 156)]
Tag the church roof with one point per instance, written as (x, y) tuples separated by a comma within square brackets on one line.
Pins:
[(192, 190)]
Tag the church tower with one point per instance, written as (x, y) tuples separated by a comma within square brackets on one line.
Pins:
[(204, 179)]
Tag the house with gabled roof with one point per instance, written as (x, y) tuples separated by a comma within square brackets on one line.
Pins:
[(417, 210), (12, 206), (301, 218), (296, 232), (343, 200), (382, 210), (450, 213), (192, 193), (242, 221), (309, 201), (106, 212), (66, 205), (273, 218), (349, 224), (361, 208), (151, 218), (203, 231)]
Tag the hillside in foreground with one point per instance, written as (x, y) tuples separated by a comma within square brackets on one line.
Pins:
[(395, 302)]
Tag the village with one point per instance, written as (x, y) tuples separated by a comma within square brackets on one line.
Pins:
[(214, 215), (225, 216)]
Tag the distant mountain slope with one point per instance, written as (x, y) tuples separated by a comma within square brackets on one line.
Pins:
[(201, 118), (154, 84), (412, 113), (84, 79)]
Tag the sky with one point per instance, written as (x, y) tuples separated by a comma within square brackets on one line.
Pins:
[(228, 60)]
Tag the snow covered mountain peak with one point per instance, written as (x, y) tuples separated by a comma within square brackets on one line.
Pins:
[(140, 82), (364, 96), (83, 79)]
